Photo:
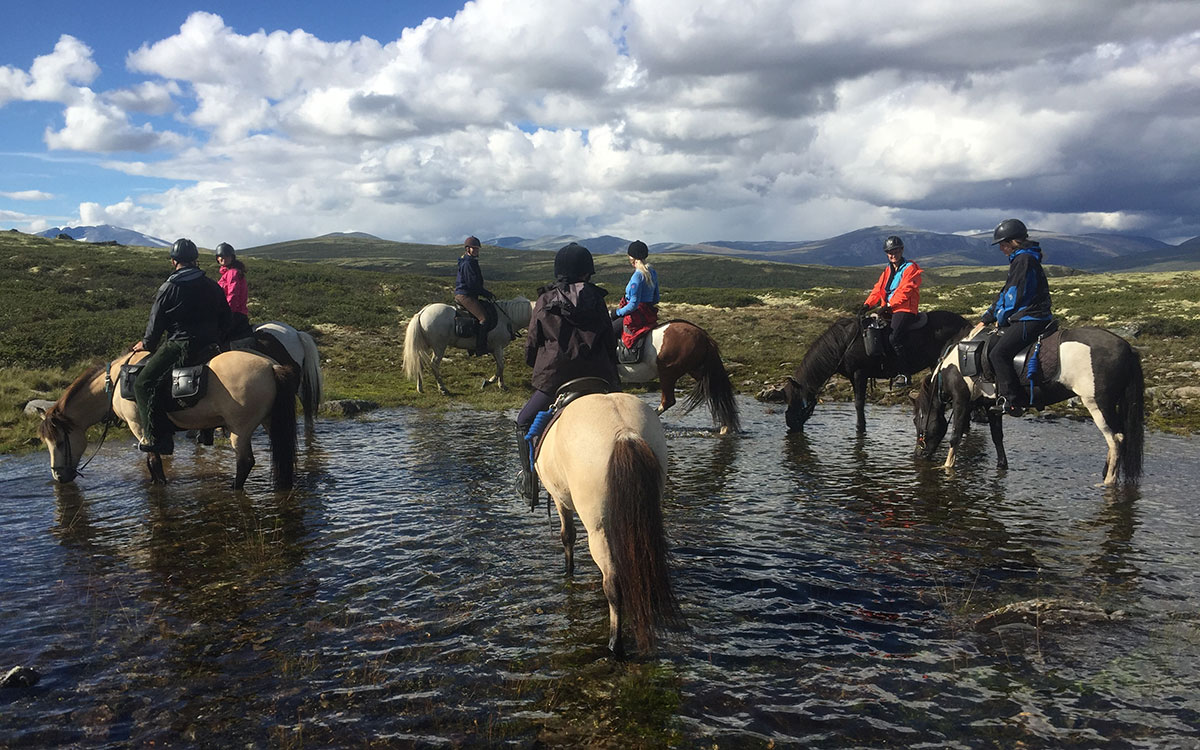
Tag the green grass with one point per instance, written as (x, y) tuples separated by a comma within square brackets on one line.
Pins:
[(70, 304)]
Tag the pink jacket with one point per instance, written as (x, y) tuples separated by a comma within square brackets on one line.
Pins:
[(237, 292)]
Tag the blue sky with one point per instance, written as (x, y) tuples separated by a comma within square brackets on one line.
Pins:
[(670, 120)]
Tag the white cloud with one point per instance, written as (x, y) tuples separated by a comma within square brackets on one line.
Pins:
[(28, 195), (752, 119)]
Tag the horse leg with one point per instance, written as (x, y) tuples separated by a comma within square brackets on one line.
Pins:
[(1113, 439), (245, 458), (859, 379), (567, 535), (958, 427), (155, 467), (435, 364), (598, 545), (666, 380), (996, 424)]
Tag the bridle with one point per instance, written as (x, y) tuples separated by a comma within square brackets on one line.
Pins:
[(110, 418)]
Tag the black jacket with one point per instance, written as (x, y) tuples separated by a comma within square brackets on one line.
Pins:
[(189, 307), (1026, 294), (571, 336)]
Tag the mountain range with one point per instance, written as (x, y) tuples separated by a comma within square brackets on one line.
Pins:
[(862, 247)]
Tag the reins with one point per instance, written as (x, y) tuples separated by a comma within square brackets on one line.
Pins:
[(109, 419)]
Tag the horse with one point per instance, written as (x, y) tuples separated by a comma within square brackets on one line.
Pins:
[(286, 345), (840, 350), (1098, 366), (605, 460), (431, 330), (679, 348), (245, 389)]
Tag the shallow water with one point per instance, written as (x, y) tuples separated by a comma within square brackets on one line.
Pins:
[(402, 595)]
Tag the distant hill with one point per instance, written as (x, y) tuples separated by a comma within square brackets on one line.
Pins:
[(105, 233)]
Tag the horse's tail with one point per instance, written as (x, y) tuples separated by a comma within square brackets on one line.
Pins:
[(416, 347), (714, 388), (281, 427), (637, 542), (1132, 411), (312, 381)]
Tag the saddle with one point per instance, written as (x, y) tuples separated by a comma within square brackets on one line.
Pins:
[(566, 393), (466, 325), (633, 354), (1034, 364), (188, 386), (875, 332)]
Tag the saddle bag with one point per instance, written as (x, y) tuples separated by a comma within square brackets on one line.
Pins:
[(466, 326), (188, 385), (875, 336), (128, 374), (970, 358)]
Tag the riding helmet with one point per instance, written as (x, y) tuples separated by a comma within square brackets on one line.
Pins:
[(225, 250), (184, 251), (1009, 229), (471, 241), (573, 263), (638, 250), (893, 243)]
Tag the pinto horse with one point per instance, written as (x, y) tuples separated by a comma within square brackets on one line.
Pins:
[(679, 348), (605, 460), (245, 389), (288, 346), (1098, 366), (840, 350), (431, 330)]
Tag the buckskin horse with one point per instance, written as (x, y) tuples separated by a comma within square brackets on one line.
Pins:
[(840, 350), (431, 330), (1098, 366), (245, 389), (605, 459), (679, 348)]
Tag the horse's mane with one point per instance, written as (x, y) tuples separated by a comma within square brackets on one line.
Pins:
[(517, 309), (55, 421), (823, 357)]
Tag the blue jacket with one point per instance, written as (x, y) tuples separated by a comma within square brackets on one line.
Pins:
[(470, 278), (638, 291), (1026, 294)]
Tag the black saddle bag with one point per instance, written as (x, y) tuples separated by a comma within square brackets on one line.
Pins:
[(188, 385), (128, 374), (971, 357), (466, 326), (875, 336)]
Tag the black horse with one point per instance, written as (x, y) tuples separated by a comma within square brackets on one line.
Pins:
[(1098, 366), (841, 351)]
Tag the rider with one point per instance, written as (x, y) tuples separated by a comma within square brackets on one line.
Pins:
[(569, 337), (898, 292), (191, 309), (638, 310), (468, 288), (1020, 312), (237, 293)]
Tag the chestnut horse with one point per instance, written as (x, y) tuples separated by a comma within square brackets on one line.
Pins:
[(605, 459), (679, 348), (245, 389)]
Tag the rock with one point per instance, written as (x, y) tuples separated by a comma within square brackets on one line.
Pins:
[(771, 394), (1187, 391), (1047, 613), (20, 677), (38, 406), (347, 407)]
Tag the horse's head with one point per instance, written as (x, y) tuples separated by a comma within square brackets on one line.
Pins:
[(801, 401), (66, 442), (929, 417)]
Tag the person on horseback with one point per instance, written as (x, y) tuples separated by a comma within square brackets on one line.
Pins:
[(638, 310), (569, 337), (192, 311), (898, 292), (237, 293), (1020, 312), (468, 288)]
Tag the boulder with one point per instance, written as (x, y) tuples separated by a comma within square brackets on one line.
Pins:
[(20, 677), (347, 407)]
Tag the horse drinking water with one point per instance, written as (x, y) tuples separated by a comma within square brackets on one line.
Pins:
[(245, 389), (840, 350), (431, 330), (1098, 366), (605, 459), (679, 348)]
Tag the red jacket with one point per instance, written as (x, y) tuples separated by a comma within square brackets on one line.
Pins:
[(907, 293)]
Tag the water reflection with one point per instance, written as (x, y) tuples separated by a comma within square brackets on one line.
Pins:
[(403, 595)]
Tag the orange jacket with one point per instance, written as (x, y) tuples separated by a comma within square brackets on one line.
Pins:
[(907, 293)]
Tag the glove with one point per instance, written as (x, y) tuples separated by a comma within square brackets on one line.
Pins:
[(614, 315), (885, 310), (861, 309)]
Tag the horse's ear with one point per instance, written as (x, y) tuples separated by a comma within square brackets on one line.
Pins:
[(793, 382)]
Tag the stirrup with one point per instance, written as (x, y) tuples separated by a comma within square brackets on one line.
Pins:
[(901, 381)]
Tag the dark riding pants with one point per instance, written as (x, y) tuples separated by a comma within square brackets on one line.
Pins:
[(538, 401), (147, 385), (1012, 339), (901, 322)]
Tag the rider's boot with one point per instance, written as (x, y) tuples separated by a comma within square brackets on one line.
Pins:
[(481, 347), (526, 481)]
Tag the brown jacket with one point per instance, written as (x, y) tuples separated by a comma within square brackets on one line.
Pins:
[(571, 336)]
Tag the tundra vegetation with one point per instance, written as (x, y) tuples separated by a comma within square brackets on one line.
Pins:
[(69, 304)]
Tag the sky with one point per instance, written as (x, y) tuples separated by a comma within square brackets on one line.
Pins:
[(665, 120)]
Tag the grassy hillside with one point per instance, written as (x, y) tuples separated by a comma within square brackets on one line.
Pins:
[(67, 305)]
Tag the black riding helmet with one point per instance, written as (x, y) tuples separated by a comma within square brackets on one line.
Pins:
[(225, 250), (638, 250), (573, 263), (184, 251), (893, 243), (1009, 229)]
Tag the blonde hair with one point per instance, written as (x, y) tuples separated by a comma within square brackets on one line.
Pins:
[(643, 268)]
